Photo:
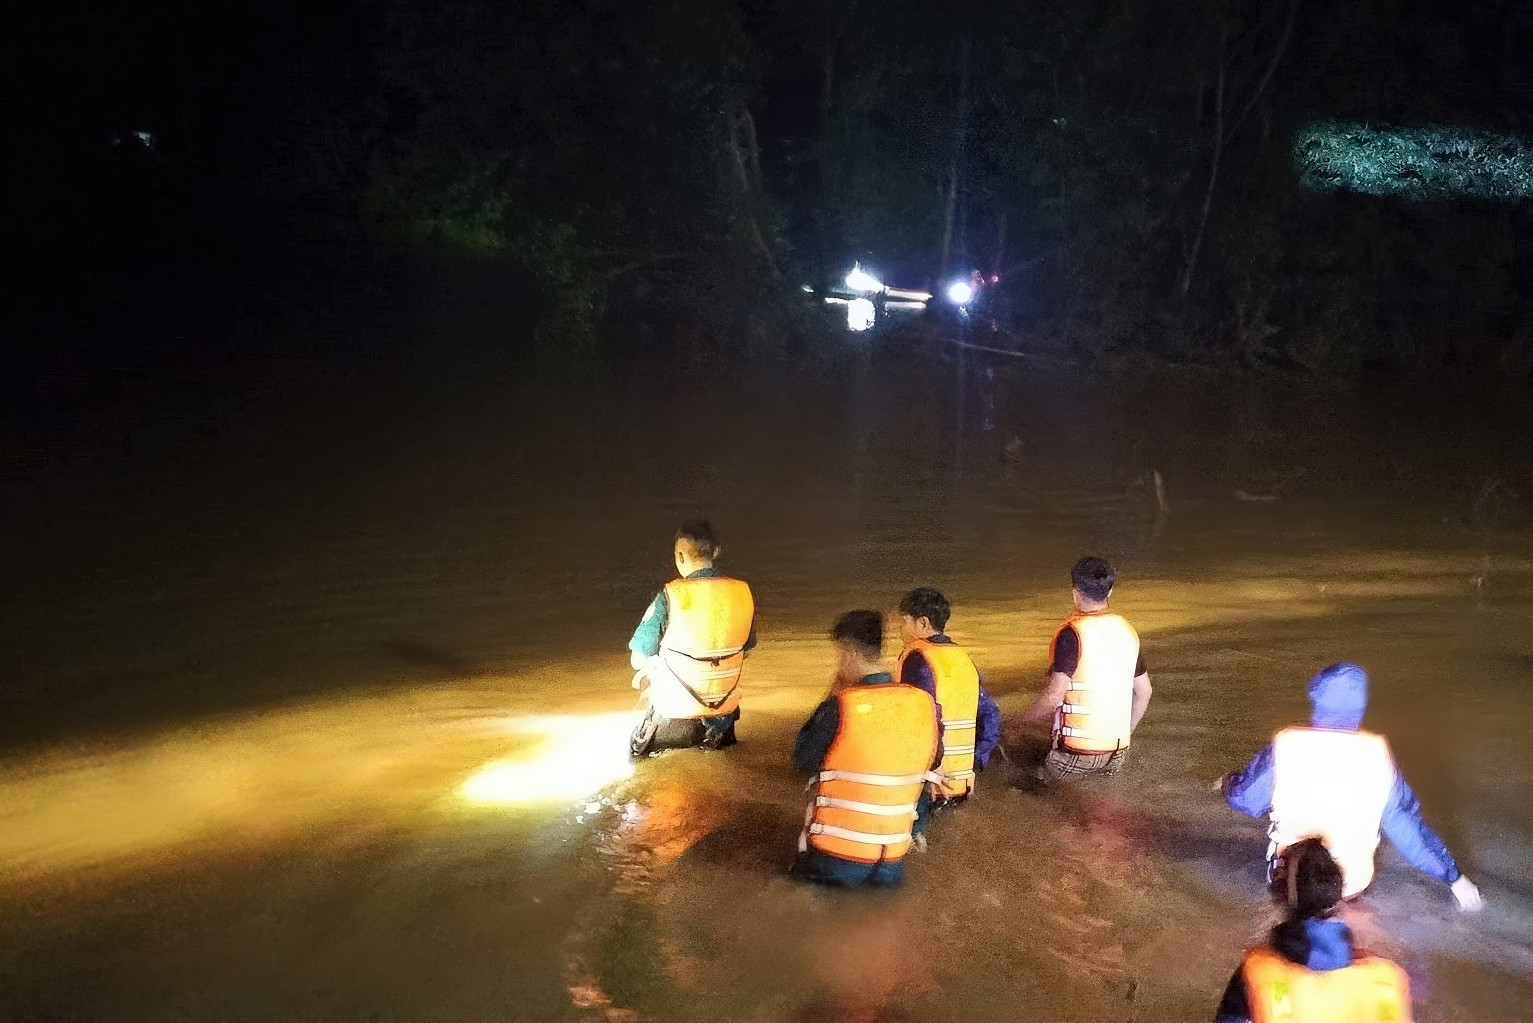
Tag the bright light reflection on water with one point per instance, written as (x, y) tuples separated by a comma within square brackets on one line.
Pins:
[(578, 757)]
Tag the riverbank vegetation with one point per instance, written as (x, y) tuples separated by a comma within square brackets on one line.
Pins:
[(1146, 177)]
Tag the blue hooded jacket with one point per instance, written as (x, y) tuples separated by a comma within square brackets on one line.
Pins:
[(1339, 695), (1316, 944)]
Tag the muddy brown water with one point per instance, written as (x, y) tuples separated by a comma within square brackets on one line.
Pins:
[(314, 707)]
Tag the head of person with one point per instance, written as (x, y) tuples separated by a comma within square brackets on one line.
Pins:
[(696, 546), (1310, 884), (1338, 696), (858, 637), (923, 612), (1091, 581)]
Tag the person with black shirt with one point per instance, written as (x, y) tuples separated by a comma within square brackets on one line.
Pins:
[(1098, 687)]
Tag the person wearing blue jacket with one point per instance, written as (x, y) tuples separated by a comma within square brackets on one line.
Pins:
[(1308, 969), (1339, 783)]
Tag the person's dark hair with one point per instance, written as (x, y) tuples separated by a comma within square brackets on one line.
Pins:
[(1310, 886), (699, 536), (929, 603), (862, 630), (1093, 577), (1310, 883)]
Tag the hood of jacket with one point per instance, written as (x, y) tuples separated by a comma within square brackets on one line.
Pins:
[(1339, 696)]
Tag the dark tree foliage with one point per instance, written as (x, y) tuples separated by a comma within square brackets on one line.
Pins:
[(1126, 166)]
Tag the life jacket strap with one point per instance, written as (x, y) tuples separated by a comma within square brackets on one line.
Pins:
[(878, 779), (713, 656), (957, 724), (857, 836), (960, 775), (957, 751), (1074, 708), (877, 809), (707, 701)]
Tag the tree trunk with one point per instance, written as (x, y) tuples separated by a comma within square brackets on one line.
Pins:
[(1222, 134), (960, 130), (1213, 170)]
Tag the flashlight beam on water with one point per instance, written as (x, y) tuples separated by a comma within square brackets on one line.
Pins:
[(577, 756)]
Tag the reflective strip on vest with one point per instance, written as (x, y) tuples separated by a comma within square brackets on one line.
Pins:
[(863, 837), (1099, 705), (878, 779), (1371, 990), (873, 773), (1332, 785), (881, 809), (957, 685), (708, 622)]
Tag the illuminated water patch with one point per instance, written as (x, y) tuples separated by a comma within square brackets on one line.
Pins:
[(578, 756), (1430, 162)]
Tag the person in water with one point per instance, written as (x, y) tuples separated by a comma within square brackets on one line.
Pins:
[(1098, 687), (970, 720), (870, 748), (689, 649), (1308, 971), (1340, 784)]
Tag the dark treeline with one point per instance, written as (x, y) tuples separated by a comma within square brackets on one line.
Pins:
[(676, 170)]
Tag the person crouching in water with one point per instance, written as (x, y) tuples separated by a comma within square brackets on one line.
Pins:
[(1338, 783), (970, 720), (1308, 971), (689, 648), (870, 748), (1098, 686)]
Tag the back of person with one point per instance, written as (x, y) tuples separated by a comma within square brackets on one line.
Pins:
[(1096, 715), (866, 792), (1308, 971), (1332, 785), (703, 647), (957, 685), (1371, 990)]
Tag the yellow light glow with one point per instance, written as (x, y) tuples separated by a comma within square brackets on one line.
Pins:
[(577, 756)]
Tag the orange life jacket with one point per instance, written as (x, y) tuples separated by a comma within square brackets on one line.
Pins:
[(1098, 709), (1371, 990), (865, 794), (1333, 785), (708, 621), (958, 696)]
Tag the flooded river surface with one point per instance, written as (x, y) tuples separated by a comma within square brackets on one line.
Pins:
[(315, 707)]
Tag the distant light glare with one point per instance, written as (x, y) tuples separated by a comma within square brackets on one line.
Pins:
[(860, 314), (860, 280), (959, 292), (577, 757)]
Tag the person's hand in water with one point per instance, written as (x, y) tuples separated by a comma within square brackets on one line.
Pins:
[(1467, 894)]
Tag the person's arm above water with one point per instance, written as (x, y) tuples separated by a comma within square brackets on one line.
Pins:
[(1045, 703), (1415, 840), (987, 730), (1142, 691), (814, 739), (1249, 790), (1064, 658), (646, 638)]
